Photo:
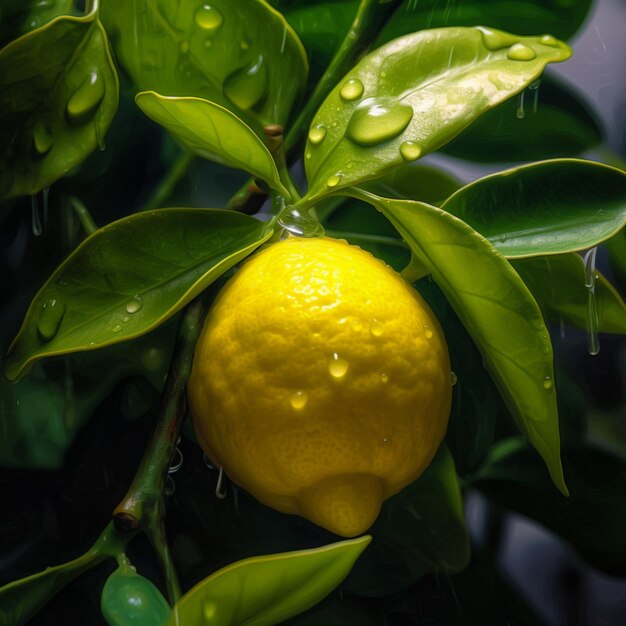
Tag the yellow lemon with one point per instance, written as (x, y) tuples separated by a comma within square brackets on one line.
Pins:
[(321, 382)]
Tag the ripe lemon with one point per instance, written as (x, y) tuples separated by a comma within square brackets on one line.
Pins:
[(321, 382)]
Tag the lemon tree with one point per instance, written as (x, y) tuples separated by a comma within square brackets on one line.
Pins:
[(358, 337)]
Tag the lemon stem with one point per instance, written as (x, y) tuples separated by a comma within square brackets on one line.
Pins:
[(143, 507)]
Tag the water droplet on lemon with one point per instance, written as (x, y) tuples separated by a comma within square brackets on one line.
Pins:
[(299, 400), (337, 366)]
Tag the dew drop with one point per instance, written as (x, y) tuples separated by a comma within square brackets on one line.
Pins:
[(352, 89), (410, 151), (357, 325), (86, 98), (244, 45), (337, 366), (454, 379), (521, 52), (116, 328), (317, 134), (495, 39), (376, 328), (184, 47), (299, 400), (134, 305), (386, 440), (246, 86), (42, 138), (549, 40), (333, 181), (50, 317), (547, 383), (384, 377), (301, 225), (428, 333), (208, 17), (376, 121)]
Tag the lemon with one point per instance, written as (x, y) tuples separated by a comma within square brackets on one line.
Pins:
[(321, 382)]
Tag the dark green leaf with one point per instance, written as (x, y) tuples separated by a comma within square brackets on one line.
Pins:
[(617, 257), (129, 599), (562, 18), (420, 530), (558, 285), (212, 132), (415, 182), (592, 519), (543, 208), (128, 278), (236, 54), (21, 599), (545, 121), (415, 94), (266, 590), (58, 95), (21, 16), (496, 308)]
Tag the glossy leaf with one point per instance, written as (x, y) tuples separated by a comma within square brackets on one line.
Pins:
[(562, 18), (128, 278), (498, 311), (415, 94), (212, 132), (415, 182), (266, 590), (236, 54), (129, 599), (542, 208), (420, 530), (592, 519), (21, 16), (558, 285), (546, 121), (58, 95), (21, 599)]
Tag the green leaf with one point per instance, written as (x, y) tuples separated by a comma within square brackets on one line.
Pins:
[(266, 590), (420, 530), (236, 54), (415, 94), (559, 17), (545, 121), (212, 132), (58, 95), (21, 599), (617, 257), (558, 285), (21, 16), (415, 182), (496, 308), (542, 208), (592, 519), (129, 599), (128, 278)]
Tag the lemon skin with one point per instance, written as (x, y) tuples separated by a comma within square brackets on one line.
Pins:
[(321, 382)]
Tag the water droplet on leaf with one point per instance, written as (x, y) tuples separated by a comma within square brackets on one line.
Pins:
[(50, 317), (208, 17), (352, 89), (549, 40), (547, 382), (337, 366), (184, 47), (134, 305), (317, 134), (86, 98), (410, 151), (521, 52), (376, 121), (246, 86), (496, 40), (116, 328), (333, 180), (42, 138), (300, 224)]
